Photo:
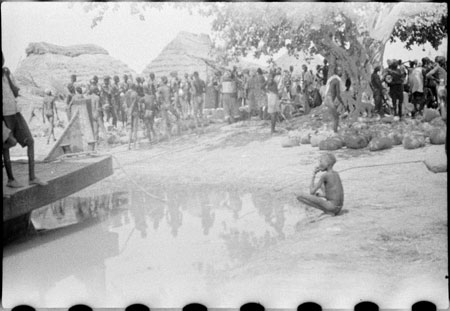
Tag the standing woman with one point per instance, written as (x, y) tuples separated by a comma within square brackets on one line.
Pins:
[(273, 103)]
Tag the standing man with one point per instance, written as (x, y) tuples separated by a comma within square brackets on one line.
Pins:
[(416, 83), (185, 87), (149, 108), (199, 88), (273, 102), (115, 100), (216, 85), (71, 89), (174, 90), (93, 83), (133, 112), (167, 106), (140, 87), (229, 96), (48, 111), (308, 80), (333, 97), (394, 78), (97, 112), (325, 71), (377, 89), (123, 88), (105, 98), (17, 128), (150, 86)]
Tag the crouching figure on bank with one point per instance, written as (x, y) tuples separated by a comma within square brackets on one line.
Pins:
[(331, 199)]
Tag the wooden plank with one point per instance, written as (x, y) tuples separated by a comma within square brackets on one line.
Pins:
[(78, 133), (64, 178)]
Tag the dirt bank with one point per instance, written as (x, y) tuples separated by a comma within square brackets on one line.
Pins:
[(389, 245)]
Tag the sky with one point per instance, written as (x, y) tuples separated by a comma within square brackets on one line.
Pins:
[(124, 36)]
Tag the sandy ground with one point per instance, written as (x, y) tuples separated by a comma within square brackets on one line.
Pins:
[(390, 240)]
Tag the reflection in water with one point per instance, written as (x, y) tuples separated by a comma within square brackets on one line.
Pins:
[(174, 216), (210, 231), (207, 214)]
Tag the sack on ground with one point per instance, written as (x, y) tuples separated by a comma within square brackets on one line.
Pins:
[(332, 143), (288, 142), (437, 136), (317, 138), (438, 122), (436, 160), (112, 139), (430, 114), (355, 141), (305, 139), (387, 119), (380, 143), (413, 141), (396, 138)]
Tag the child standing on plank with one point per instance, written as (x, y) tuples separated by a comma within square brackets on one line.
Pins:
[(332, 200)]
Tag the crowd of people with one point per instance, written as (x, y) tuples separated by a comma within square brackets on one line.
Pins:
[(276, 94), (130, 101), (421, 83)]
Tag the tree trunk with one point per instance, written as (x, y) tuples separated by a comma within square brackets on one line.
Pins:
[(357, 66)]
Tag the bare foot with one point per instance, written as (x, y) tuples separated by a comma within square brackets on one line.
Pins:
[(37, 181), (14, 184)]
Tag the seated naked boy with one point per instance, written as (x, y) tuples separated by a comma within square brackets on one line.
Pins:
[(333, 198)]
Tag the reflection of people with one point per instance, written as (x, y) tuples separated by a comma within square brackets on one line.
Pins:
[(17, 128), (333, 198), (138, 210), (208, 216), (174, 216), (235, 203)]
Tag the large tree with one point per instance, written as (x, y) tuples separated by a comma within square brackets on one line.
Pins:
[(353, 35)]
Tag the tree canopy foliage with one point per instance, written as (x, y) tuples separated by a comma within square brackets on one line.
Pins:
[(265, 28), (353, 35)]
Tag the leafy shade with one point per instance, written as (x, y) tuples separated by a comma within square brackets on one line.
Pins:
[(421, 29)]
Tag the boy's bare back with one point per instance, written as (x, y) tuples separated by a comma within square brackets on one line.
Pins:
[(334, 192)]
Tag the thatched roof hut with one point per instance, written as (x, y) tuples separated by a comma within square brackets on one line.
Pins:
[(50, 66), (186, 53), (190, 52)]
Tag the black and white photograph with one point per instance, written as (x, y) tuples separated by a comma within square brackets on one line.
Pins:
[(222, 153)]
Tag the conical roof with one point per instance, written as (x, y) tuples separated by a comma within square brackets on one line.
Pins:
[(50, 66), (186, 53)]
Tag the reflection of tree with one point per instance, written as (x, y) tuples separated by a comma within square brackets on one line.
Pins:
[(241, 245), (208, 216), (271, 210), (174, 216), (263, 203)]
